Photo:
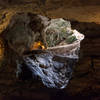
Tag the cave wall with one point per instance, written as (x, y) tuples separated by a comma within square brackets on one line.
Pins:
[(90, 46), (84, 16), (67, 2)]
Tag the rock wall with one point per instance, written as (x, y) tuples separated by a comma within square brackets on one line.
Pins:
[(90, 45), (84, 82), (52, 2)]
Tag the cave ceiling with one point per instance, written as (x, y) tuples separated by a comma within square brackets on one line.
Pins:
[(81, 10)]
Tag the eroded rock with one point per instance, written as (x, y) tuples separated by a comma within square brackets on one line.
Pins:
[(23, 30)]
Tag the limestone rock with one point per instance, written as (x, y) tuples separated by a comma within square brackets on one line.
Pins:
[(59, 32), (23, 30)]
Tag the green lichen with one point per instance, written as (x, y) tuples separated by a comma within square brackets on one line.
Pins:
[(59, 31)]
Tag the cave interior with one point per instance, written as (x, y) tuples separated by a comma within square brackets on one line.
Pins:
[(84, 16)]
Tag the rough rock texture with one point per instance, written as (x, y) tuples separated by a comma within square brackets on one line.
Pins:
[(23, 30), (85, 83)]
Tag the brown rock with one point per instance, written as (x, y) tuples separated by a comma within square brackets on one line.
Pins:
[(23, 30)]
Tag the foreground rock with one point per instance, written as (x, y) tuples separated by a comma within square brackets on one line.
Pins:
[(27, 32)]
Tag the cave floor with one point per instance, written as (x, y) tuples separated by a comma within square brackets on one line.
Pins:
[(84, 85), (85, 80)]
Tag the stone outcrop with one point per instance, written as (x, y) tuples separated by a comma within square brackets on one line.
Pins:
[(23, 30), (84, 82)]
